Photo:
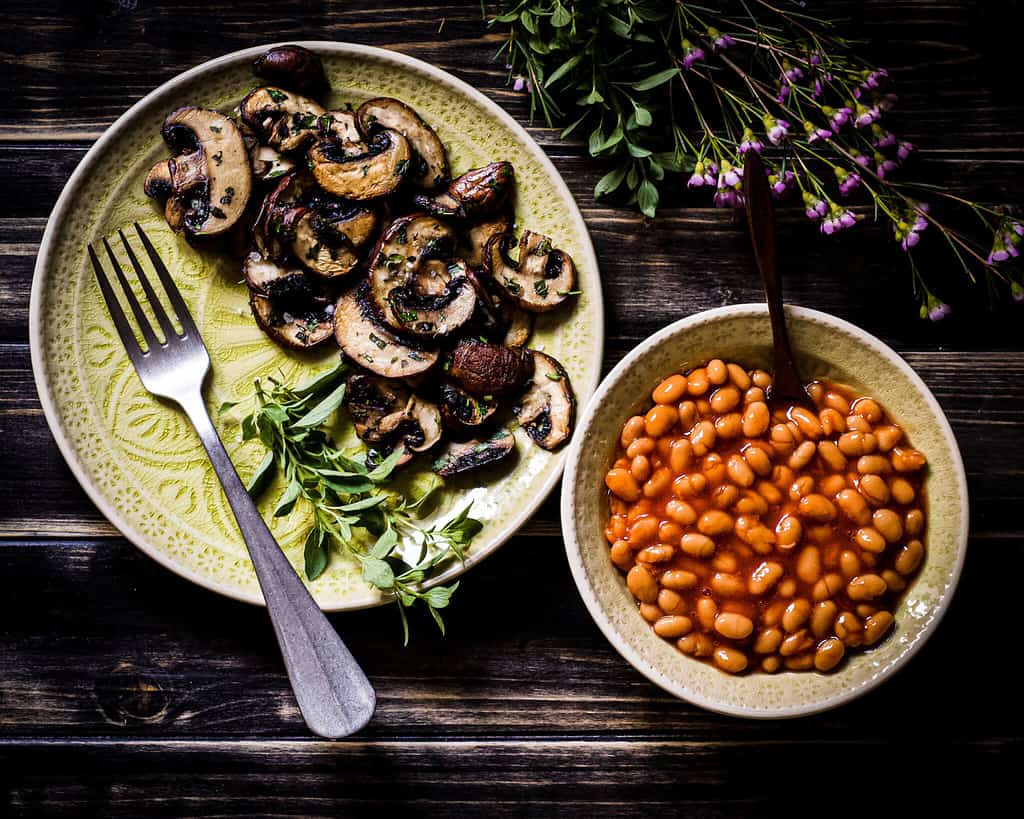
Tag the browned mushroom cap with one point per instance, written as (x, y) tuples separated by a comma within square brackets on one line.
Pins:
[(287, 305), (361, 172), (461, 410), (477, 235), (547, 409), (283, 120), (332, 245), (464, 456), (208, 183), (479, 192), (368, 342), (484, 370), (430, 163), (542, 278), (294, 67)]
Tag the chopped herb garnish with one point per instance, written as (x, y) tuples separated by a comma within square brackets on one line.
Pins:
[(215, 128), (378, 341), (400, 235), (408, 316), (554, 376), (541, 287), (513, 286), (570, 292), (401, 167), (365, 169), (218, 212), (314, 251), (218, 157), (276, 95), (543, 248)]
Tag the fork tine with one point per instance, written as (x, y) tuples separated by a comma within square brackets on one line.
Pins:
[(158, 308), (140, 317), (124, 329), (184, 316)]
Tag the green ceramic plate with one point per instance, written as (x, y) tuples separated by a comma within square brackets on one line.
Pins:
[(139, 459), (825, 347)]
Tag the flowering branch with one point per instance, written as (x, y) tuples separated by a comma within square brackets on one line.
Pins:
[(754, 76)]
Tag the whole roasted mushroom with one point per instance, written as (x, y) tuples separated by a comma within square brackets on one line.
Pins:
[(283, 120), (479, 192), (361, 172), (207, 184), (547, 409), (429, 162), (540, 280), (483, 369), (293, 67)]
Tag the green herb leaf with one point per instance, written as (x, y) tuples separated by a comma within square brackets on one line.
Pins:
[(610, 182), (322, 411), (261, 477), (315, 553), (378, 573), (288, 498), (655, 80)]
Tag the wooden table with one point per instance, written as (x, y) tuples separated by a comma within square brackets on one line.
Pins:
[(126, 691)]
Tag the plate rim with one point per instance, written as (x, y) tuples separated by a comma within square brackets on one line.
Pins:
[(573, 550), (96, 151)]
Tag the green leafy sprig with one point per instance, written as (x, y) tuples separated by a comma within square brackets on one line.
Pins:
[(346, 491)]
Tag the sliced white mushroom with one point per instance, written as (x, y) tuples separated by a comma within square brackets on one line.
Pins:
[(386, 412), (540, 280), (430, 164), (463, 411), (361, 172), (282, 119), (547, 409), (332, 247), (369, 343)]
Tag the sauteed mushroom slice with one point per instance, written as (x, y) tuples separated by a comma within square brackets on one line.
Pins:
[(387, 413), (367, 341), (284, 120), (479, 192), (547, 409), (543, 277), (430, 163), (496, 318), (483, 369), (287, 305), (341, 126), (208, 182), (363, 171), (332, 245), (462, 411), (294, 67), (477, 235), (464, 456)]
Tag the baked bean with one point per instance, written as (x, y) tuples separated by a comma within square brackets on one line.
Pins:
[(640, 468), (728, 585), (768, 491), (638, 509), (856, 444), (689, 486), (849, 564), (801, 455), (828, 654), (755, 419), (907, 460), (725, 496), (738, 376), (739, 471), (901, 490), (801, 487), (894, 581), (670, 390), (857, 423), (782, 476), (770, 665), (622, 555), (717, 372), (725, 399), (796, 643), (707, 611), (696, 545), (713, 468), (788, 532), (725, 562), (768, 641), (641, 446), (865, 587), (680, 455), (816, 391), (754, 394), (680, 512), (761, 379), (888, 436), (687, 414), (909, 557), (658, 483), (849, 629), (889, 523), (873, 465), (832, 423), (714, 522), (835, 401), (807, 421), (622, 484), (697, 382), (760, 538), (787, 588), (702, 437), (642, 584), (827, 587), (669, 532), (729, 426), (650, 612), (679, 580), (867, 408), (734, 626), (643, 530), (673, 626), (730, 659), (660, 419), (658, 553), (822, 616), (703, 407), (874, 489), (808, 564), (751, 503), (876, 627), (913, 522), (766, 575), (695, 644), (782, 440), (796, 614), (772, 615), (632, 430), (832, 455), (671, 602), (832, 485), (757, 459), (802, 662), (870, 539), (817, 507)]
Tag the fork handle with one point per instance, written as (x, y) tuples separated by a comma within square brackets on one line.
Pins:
[(334, 695)]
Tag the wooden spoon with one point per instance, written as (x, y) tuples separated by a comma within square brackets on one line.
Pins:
[(787, 385)]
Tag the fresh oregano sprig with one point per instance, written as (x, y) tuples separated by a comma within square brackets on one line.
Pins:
[(353, 510)]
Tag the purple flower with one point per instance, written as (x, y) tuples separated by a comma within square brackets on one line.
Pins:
[(865, 116), (792, 73), (729, 176), (908, 230), (848, 183), (721, 41), (887, 102), (938, 310), (780, 183), (783, 93), (1017, 292), (777, 129), (728, 198), (691, 54), (884, 165), (875, 78), (750, 142), (838, 118), (815, 59), (814, 207), (819, 89), (859, 158), (703, 174), (521, 83), (838, 219), (904, 150), (815, 134), (1017, 228), (882, 138)]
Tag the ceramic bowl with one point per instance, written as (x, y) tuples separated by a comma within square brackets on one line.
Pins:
[(825, 347)]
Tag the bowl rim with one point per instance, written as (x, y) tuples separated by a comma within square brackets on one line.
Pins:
[(169, 87), (574, 551)]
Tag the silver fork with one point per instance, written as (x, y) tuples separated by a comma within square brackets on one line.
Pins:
[(334, 696)]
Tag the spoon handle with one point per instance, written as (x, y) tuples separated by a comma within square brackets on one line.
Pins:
[(761, 221)]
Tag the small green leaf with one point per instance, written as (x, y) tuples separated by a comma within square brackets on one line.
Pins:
[(322, 381), (315, 553), (647, 198), (637, 150), (287, 501), (261, 477), (563, 69), (385, 543), (655, 80), (322, 411), (363, 503), (226, 407), (378, 573), (384, 469), (643, 116), (610, 182), (561, 17), (440, 596)]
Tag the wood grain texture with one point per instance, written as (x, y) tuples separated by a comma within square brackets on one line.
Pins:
[(126, 691)]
